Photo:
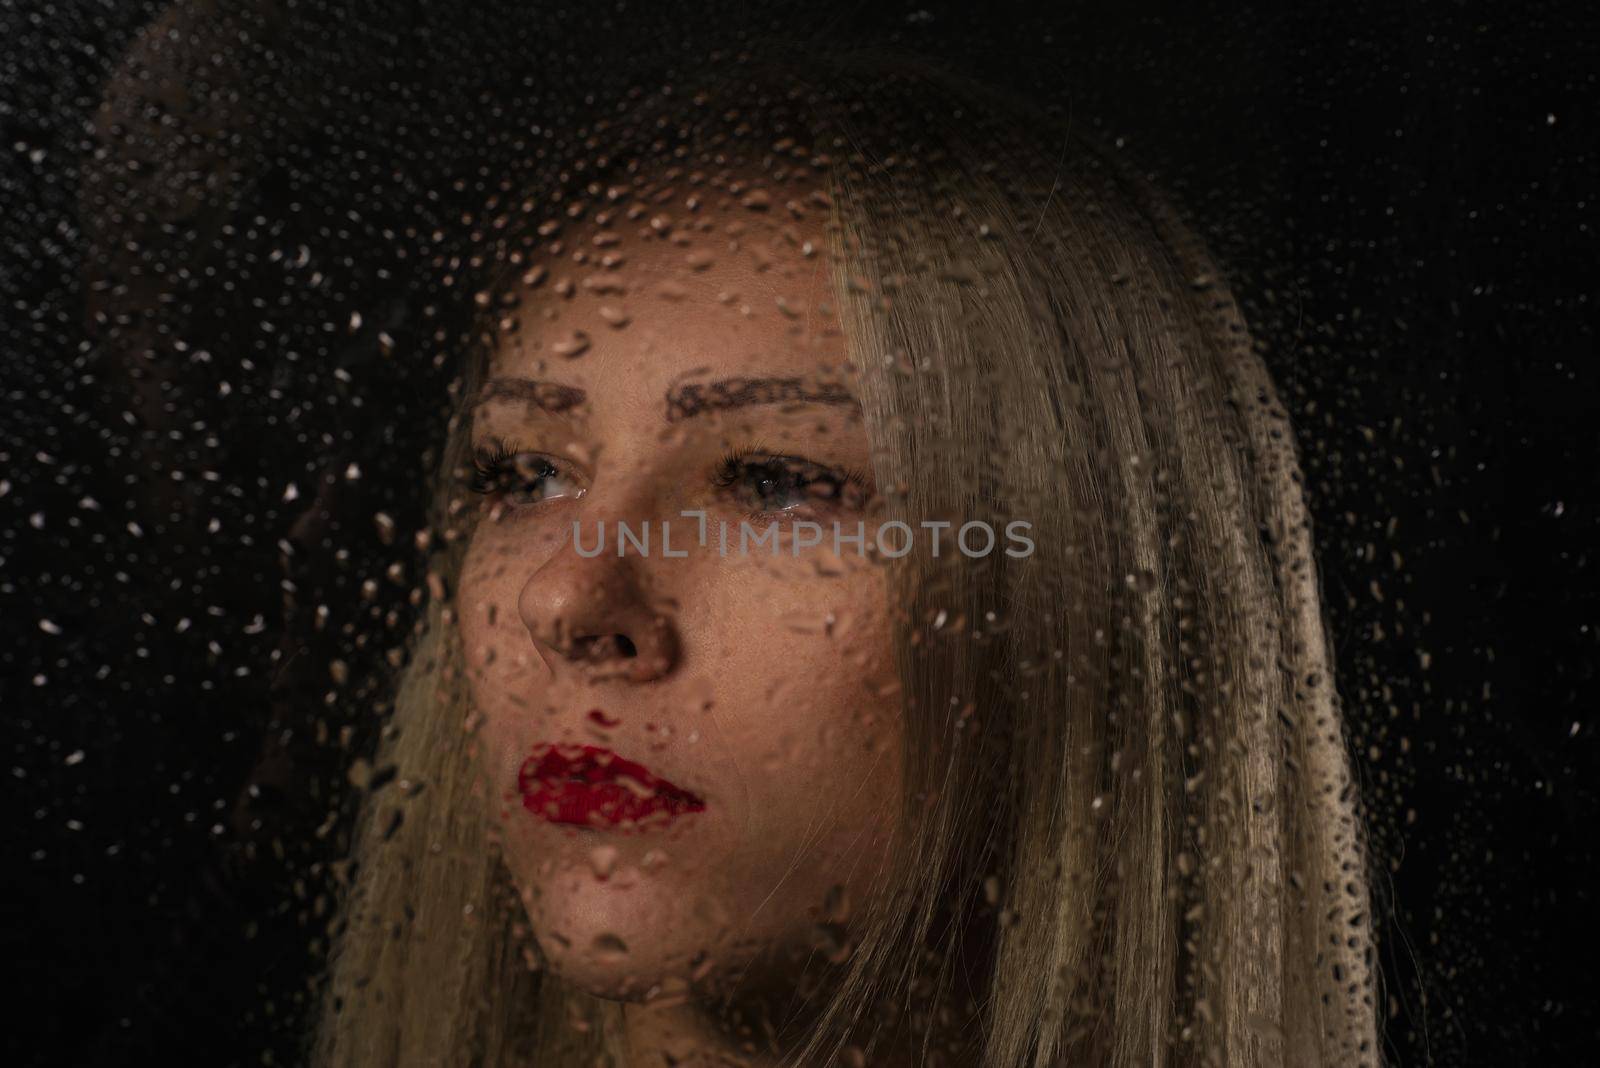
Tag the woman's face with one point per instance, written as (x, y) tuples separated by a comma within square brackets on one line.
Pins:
[(692, 753)]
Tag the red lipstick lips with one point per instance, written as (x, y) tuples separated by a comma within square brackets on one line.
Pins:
[(590, 786)]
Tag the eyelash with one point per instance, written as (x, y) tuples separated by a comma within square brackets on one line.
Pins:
[(495, 473), (739, 463), (495, 469)]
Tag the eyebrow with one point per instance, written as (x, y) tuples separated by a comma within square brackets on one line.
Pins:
[(549, 396), (695, 398), (683, 401)]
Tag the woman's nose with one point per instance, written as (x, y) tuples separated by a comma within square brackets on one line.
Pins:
[(593, 616)]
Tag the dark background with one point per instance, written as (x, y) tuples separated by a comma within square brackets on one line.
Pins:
[(1403, 194)]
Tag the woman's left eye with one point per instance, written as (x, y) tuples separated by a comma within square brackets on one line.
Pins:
[(783, 483)]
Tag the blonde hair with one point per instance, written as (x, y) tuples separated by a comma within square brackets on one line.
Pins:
[(1125, 761)]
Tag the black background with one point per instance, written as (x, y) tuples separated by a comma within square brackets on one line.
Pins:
[(1403, 194)]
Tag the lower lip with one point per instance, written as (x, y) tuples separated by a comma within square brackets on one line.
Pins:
[(581, 786)]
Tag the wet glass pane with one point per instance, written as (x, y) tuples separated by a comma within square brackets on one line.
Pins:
[(736, 534)]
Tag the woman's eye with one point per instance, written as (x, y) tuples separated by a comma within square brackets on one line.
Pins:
[(779, 484), (520, 479), (773, 488)]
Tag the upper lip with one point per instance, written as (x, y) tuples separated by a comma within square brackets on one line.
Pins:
[(551, 763)]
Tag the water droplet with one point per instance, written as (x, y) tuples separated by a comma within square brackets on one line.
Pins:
[(603, 861), (1142, 581), (572, 347), (809, 622), (609, 948), (836, 905)]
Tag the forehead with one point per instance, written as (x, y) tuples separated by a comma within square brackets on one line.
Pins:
[(643, 304)]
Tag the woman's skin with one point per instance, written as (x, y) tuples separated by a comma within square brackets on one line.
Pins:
[(765, 686)]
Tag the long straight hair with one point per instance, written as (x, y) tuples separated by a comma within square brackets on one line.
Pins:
[(1125, 764)]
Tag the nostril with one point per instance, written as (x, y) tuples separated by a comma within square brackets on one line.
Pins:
[(603, 647)]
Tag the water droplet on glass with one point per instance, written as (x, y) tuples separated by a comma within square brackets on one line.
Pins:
[(609, 948), (603, 861), (573, 346)]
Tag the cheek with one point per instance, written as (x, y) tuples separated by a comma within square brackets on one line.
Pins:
[(494, 640), (809, 716), (503, 670), (820, 659), (816, 709), (477, 606)]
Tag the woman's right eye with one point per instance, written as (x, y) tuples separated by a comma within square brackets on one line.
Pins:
[(519, 479)]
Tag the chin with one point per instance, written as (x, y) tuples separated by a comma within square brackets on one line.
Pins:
[(630, 936)]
